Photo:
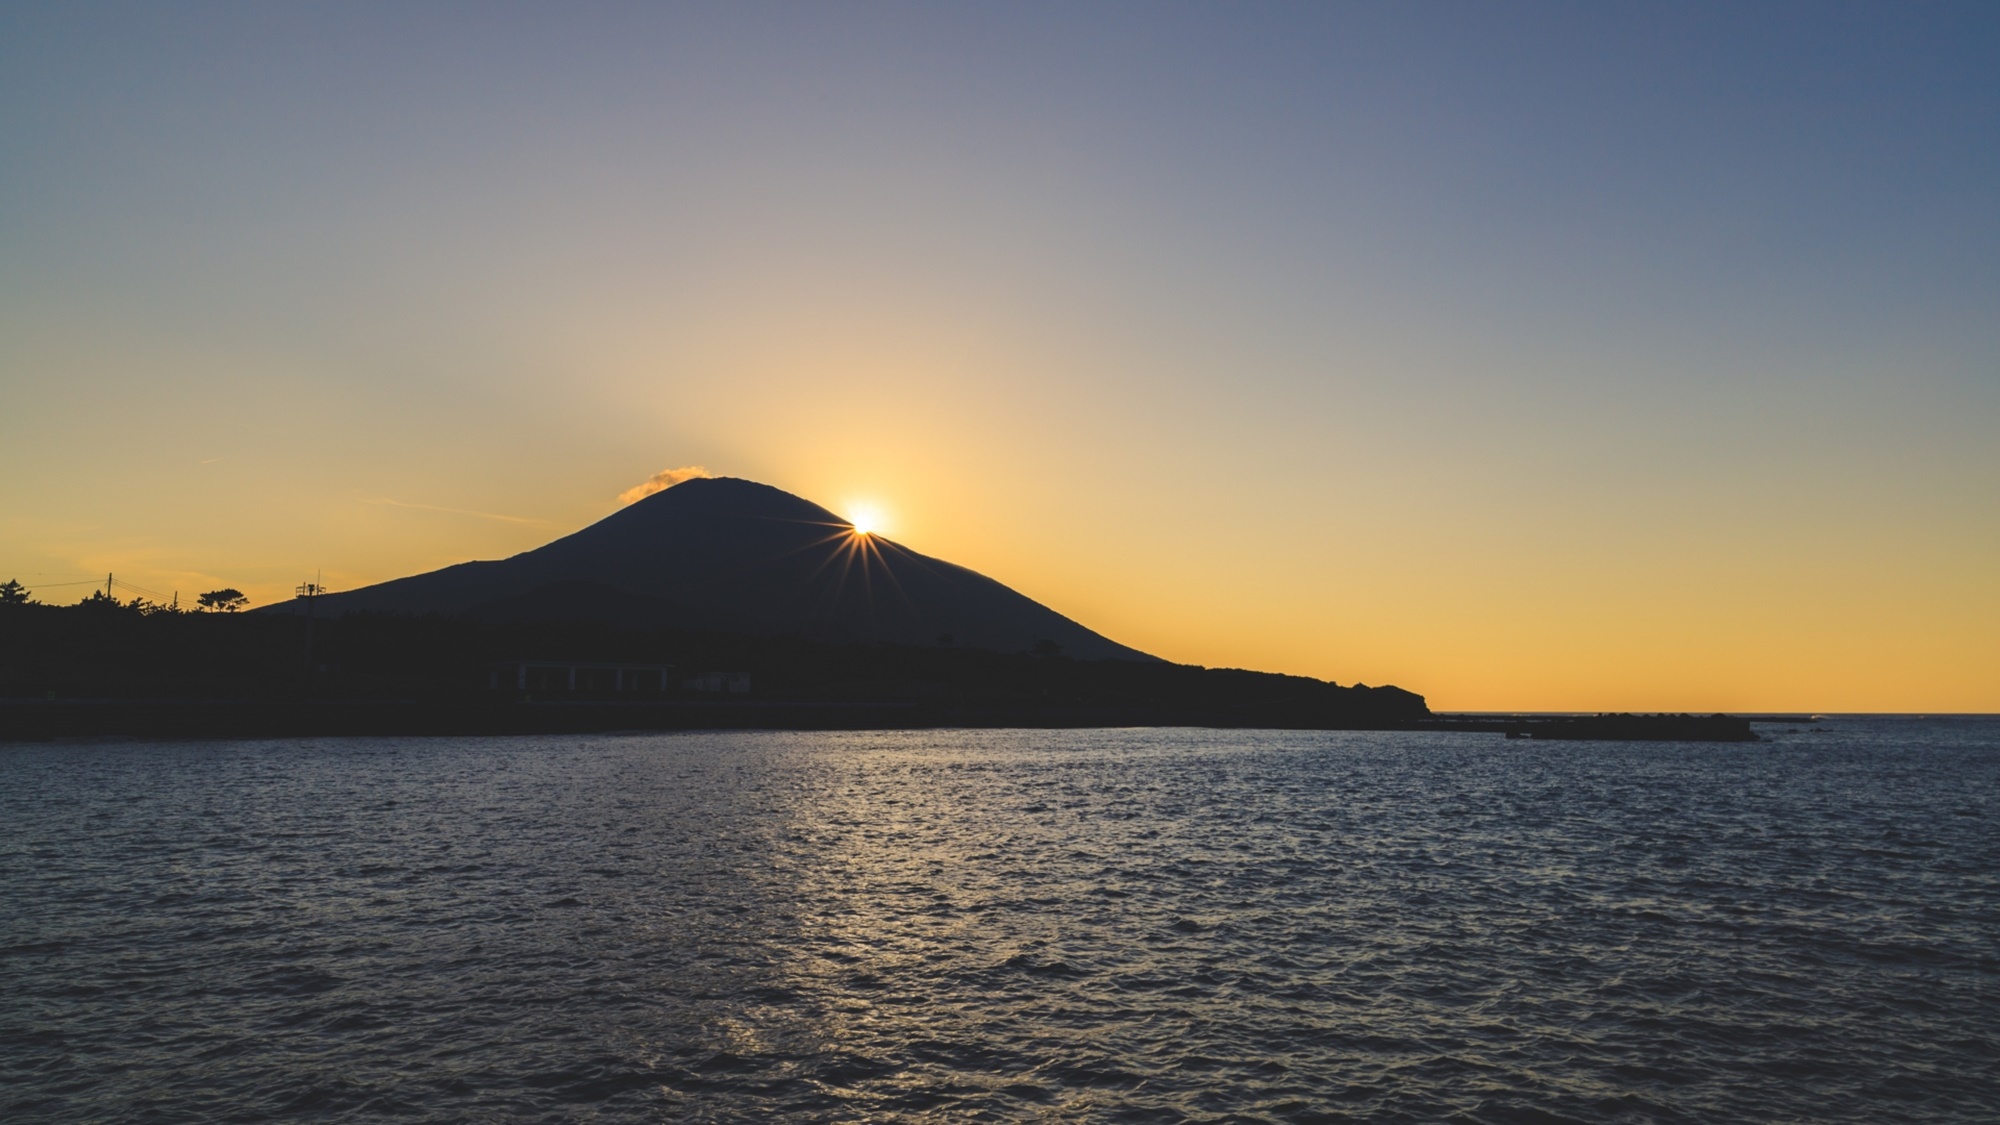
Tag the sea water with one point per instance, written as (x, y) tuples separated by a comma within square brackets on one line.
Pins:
[(1143, 925)]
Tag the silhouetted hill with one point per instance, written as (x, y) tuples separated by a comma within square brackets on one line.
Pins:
[(112, 669), (732, 555)]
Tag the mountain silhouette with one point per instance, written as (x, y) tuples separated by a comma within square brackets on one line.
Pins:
[(733, 555)]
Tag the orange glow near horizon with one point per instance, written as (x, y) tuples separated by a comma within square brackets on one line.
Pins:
[(1468, 395)]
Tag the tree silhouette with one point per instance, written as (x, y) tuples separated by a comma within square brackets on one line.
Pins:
[(228, 600), (13, 593)]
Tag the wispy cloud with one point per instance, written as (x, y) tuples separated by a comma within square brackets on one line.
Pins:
[(661, 481), (454, 511)]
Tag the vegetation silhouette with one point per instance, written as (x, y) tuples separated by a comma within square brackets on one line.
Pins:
[(122, 652), (227, 600), (144, 669)]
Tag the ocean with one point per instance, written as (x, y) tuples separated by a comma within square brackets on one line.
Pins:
[(1073, 925)]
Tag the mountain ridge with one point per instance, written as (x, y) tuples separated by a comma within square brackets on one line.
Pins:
[(734, 555)]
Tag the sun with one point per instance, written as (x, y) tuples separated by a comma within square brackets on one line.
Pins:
[(865, 521)]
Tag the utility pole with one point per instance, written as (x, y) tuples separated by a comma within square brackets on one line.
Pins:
[(309, 591), (107, 585)]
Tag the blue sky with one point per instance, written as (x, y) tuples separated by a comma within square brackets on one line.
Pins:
[(1524, 354)]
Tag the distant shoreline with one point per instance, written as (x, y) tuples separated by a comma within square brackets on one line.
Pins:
[(35, 720)]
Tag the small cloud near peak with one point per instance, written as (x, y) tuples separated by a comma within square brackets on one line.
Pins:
[(661, 481)]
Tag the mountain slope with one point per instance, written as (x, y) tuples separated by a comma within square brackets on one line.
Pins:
[(729, 554)]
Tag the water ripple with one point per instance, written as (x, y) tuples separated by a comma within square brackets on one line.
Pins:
[(1072, 925)]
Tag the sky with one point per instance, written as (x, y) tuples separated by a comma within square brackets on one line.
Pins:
[(1527, 356)]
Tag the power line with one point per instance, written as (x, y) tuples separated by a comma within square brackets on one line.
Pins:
[(136, 588), (115, 581), (118, 582)]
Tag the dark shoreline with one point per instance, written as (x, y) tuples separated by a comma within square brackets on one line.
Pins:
[(115, 671), (35, 720)]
